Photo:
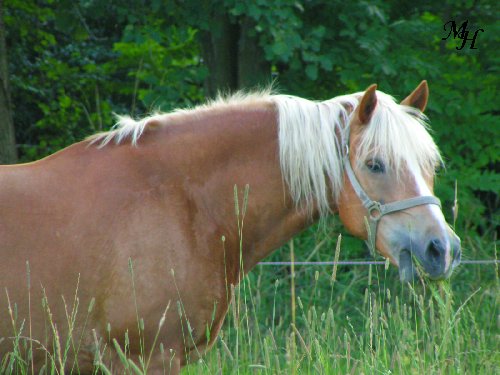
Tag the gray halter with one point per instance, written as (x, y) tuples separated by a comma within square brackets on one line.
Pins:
[(376, 209)]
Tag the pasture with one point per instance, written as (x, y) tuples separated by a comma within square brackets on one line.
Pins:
[(323, 320)]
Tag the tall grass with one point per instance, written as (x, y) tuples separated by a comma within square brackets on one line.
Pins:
[(321, 321), (370, 327)]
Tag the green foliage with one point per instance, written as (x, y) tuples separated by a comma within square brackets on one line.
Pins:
[(167, 58), (90, 60), (73, 63)]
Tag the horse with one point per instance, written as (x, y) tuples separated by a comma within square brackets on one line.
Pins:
[(109, 236)]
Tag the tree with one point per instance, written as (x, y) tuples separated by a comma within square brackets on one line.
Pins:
[(79, 61), (230, 45), (8, 154)]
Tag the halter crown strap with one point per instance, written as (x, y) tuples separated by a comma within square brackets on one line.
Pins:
[(376, 209)]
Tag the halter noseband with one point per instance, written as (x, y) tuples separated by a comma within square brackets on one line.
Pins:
[(376, 209)]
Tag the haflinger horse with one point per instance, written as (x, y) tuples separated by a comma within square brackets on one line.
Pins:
[(132, 220)]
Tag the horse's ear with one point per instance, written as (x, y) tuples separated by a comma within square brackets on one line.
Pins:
[(368, 104), (418, 98)]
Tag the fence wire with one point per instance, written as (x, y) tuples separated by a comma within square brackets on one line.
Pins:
[(361, 263)]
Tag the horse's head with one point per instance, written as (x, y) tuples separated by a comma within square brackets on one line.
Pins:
[(388, 192)]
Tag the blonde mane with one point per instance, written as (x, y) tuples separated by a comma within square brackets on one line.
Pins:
[(310, 148), (311, 139), (128, 128), (311, 152)]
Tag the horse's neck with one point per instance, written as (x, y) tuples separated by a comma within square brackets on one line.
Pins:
[(239, 147)]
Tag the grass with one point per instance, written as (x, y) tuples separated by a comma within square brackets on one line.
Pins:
[(307, 320), (371, 326)]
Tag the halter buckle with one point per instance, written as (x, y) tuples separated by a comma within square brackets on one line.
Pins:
[(375, 211)]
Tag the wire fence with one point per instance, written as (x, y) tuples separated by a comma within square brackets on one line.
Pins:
[(362, 263)]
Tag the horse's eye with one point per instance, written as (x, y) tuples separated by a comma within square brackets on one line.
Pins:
[(375, 166)]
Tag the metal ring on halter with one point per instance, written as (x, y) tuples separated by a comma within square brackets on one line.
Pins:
[(375, 211)]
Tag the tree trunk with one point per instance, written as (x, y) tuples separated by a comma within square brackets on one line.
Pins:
[(253, 69), (8, 153), (232, 55), (219, 49)]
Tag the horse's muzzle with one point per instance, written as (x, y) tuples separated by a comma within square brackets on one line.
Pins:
[(436, 259)]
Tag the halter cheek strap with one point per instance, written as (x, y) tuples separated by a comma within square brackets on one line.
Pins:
[(376, 209)]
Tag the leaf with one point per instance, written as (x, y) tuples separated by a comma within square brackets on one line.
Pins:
[(312, 71), (280, 49)]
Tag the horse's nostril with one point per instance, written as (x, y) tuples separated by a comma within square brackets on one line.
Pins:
[(435, 250)]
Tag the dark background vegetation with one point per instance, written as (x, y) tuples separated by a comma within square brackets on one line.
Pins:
[(67, 65)]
